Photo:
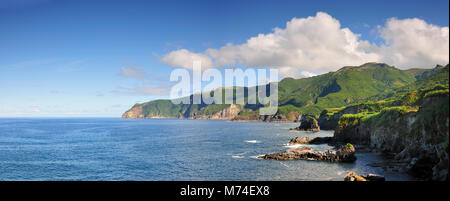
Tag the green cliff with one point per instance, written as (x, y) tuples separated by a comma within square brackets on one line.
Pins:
[(349, 85)]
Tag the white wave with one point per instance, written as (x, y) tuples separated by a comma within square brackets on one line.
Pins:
[(284, 164), (252, 141), (294, 145), (256, 157), (236, 156)]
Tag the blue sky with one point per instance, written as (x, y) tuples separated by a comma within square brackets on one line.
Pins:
[(67, 58)]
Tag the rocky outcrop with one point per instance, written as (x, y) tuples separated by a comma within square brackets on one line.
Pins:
[(308, 140), (224, 114), (352, 176), (133, 113), (308, 123), (343, 154), (232, 112), (417, 138)]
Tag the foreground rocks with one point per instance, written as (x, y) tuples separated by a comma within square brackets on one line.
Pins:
[(308, 140), (418, 138), (343, 154), (352, 176), (308, 123)]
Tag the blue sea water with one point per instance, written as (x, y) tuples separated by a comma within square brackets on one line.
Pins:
[(161, 149)]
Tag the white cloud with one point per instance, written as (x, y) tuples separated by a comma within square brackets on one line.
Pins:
[(133, 73), (414, 43), (293, 72), (184, 58), (319, 44)]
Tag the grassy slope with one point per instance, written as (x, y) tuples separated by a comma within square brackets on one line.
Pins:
[(407, 98), (346, 86)]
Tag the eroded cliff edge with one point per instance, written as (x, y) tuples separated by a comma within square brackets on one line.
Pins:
[(417, 136)]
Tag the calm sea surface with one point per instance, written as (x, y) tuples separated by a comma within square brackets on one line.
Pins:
[(144, 149)]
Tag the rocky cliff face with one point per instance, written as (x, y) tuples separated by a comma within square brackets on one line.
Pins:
[(226, 113), (419, 138), (133, 113)]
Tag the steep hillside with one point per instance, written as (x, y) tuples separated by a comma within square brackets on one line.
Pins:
[(415, 134), (436, 78), (349, 85)]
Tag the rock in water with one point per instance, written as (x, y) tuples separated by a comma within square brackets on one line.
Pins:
[(352, 176), (308, 123), (346, 153), (308, 140), (343, 154), (373, 177)]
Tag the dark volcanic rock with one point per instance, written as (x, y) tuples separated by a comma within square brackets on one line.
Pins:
[(308, 140), (308, 123), (343, 154)]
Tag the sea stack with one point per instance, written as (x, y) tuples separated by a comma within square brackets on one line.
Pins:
[(308, 123)]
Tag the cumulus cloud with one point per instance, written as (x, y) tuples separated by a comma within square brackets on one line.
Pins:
[(133, 73), (184, 58), (319, 44), (413, 43)]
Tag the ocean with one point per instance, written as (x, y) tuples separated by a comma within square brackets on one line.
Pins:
[(162, 149)]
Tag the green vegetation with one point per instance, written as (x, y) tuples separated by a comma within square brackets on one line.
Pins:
[(434, 82), (349, 85), (350, 119), (346, 86), (436, 93), (366, 89), (349, 146), (377, 113)]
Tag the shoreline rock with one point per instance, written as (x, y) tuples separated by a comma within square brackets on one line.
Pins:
[(352, 176), (418, 138), (343, 154), (308, 140)]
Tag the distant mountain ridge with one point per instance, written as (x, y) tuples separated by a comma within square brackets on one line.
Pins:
[(348, 85)]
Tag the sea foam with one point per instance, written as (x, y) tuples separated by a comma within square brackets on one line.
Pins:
[(252, 141)]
